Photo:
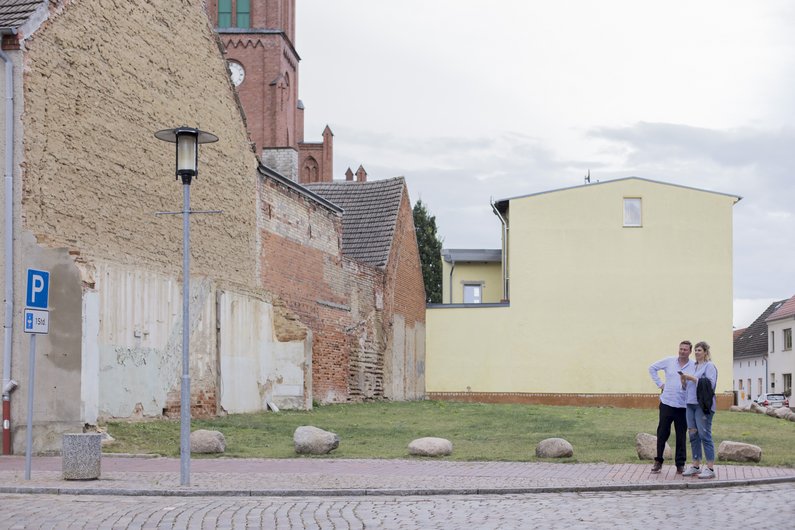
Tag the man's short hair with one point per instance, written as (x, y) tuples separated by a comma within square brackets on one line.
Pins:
[(689, 344)]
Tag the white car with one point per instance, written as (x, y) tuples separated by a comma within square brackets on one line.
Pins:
[(772, 400)]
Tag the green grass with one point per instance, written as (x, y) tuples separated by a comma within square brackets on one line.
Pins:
[(478, 431)]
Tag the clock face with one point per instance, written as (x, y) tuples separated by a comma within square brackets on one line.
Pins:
[(238, 74)]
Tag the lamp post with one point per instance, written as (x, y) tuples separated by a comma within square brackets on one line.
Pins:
[(187, 142)]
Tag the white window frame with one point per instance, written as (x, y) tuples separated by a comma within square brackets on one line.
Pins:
[(479, 286), (787, 339), (633, 212)]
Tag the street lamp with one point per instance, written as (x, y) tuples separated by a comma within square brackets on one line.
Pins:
[(187, 142)]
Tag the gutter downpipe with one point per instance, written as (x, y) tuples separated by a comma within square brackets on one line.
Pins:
[(452, 268), (504, 251), (8, 325)]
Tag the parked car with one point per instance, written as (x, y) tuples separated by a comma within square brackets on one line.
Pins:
[(772, 400)]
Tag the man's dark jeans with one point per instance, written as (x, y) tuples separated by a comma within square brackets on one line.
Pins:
[(678, 417)]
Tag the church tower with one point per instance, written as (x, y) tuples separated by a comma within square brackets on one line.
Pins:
[(258, 38)]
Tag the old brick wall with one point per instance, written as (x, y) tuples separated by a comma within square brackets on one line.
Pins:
[(100, 79), (339, 299), (404, 311)]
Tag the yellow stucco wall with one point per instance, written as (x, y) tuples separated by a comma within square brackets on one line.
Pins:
[(593, 303), (470, 272)]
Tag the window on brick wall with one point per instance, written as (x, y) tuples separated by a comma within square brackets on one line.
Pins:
[(234, 13)]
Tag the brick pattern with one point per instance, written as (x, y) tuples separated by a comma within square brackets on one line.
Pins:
[(348, 305), (203, 403), (283, 161), (626, 401)]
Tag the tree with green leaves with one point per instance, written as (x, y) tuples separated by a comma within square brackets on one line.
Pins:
[(430, 252)]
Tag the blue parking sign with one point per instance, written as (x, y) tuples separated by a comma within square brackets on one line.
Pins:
[(38, 290)]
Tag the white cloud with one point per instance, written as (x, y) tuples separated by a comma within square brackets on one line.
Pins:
[(471, 102)]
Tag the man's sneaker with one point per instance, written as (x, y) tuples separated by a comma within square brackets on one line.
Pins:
[(706, 473), (692, 470), (680, 470), (656, 467)]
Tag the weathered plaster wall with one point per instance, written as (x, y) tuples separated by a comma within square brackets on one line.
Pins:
[(100, 79)]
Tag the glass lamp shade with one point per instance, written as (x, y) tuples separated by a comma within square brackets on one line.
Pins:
[(187, 140)]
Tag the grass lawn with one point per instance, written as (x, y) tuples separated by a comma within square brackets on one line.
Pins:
[(478, 431)]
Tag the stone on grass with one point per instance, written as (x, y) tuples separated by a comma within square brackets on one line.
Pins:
[(735, 408), (646, 446), (783, 413), (310, 440), (430, 446), (756, 407), (554, 448), (770, 411), (739, 452), (204, 441)]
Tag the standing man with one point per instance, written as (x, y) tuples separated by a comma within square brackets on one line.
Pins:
[(672, 405)]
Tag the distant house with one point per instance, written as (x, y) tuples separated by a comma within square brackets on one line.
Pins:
[(751, 351), (472, 276), (781, 362), (603, 279)]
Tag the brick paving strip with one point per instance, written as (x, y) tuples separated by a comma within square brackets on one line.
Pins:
[(328, 477)]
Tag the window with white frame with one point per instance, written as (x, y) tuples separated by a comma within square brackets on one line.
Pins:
[(788, 339), (772, 342), (787, 382), (632, 211), (473, 293)]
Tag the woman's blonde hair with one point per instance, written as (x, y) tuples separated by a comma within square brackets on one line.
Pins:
[(704, 346)]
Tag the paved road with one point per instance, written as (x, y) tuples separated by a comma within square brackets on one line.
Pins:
[(749, 507)]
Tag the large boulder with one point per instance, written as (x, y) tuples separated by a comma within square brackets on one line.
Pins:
[(735, 408), (770, 411), (784, 413), (204, 441), (756, 407), (310, 440), (431, 446), (554, 448), (646, 446), (739, 452)]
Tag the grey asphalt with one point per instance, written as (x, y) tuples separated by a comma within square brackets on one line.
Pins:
[(328, 477)]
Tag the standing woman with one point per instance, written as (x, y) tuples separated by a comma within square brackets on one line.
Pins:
[(699, 416)]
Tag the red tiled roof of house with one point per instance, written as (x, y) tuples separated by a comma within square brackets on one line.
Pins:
[(787, 309), (738, 332)]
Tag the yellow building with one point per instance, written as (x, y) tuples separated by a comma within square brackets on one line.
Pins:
[(472, 276), (603, 279)]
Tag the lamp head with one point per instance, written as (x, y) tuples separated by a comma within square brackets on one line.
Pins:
[(187, 140)]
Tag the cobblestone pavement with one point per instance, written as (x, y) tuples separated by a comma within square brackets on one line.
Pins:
[(314, 476), (749, 507)]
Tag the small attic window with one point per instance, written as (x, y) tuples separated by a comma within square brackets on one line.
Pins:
[(632, 211)]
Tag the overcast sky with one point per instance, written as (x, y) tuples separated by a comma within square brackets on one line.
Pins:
[(471, 100)]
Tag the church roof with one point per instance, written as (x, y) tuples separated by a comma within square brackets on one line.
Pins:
[(753, 341), (370, 212), (14, 13)]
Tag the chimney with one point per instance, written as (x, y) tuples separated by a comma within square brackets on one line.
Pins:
[(349, 175), (361, 175)]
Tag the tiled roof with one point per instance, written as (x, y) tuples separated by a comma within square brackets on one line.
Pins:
[(14, 13), (370, 211), (738, 332), (786, 310), (753, 341)]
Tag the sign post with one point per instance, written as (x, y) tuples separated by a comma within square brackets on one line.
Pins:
[(37, 321)]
